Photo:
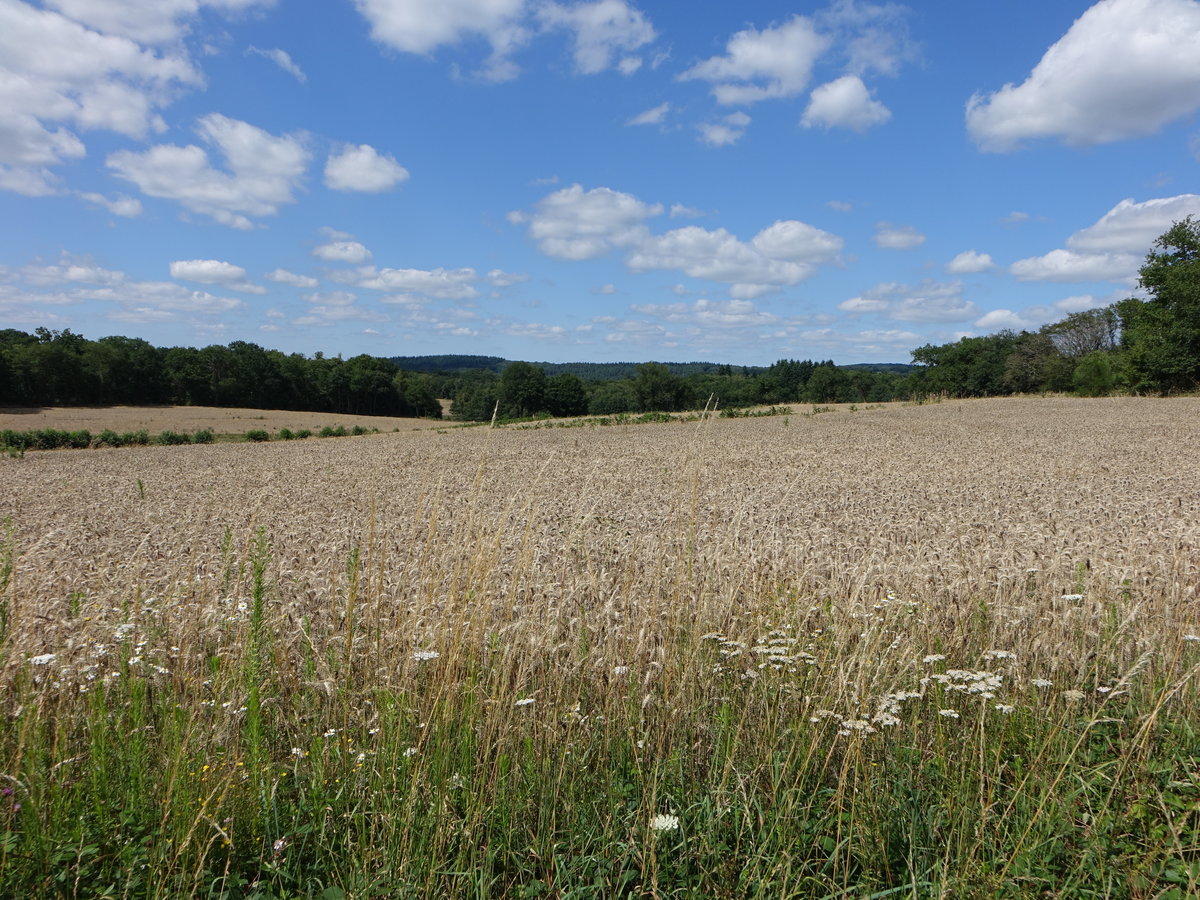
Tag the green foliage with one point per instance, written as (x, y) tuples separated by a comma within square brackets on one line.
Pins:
[(172, 438), (1162, 336), (258, 435), (1096, 375), (63, 368)]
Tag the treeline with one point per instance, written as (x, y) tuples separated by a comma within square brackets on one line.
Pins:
[(588, 371), (60, 368), (1133, 346), (525, 389)]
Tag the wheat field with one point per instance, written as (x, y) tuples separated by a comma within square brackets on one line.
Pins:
[(937, 650)]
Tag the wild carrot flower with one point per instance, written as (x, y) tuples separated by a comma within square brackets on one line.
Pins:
[(527, 701), (663, 822)]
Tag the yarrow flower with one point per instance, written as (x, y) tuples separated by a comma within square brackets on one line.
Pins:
[(948, 713), (934, 657), (1042, 683), (662, 823), (424, 655), (527, 701), (44, 660)]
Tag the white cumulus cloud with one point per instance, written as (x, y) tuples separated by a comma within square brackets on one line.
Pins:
[(423, 26), (147, 21), (441, 284), (1071, 266), (1131, 227), (263, 171), (342, 251), (576, 224), (1124, 69), (362, 168), (762, 64), (214, 271), (725, 131), (603, 30), (291, 279), (969, 262), (57, 74), (844, 103)]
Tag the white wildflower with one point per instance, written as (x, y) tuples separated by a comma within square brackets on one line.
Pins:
[(662, 823), (527, 701), (44, 660), (1004, 708), (331, 732), (948, 713), (425, 655), (1191, 637), (934, 657), (298, 753), (1073, 598), (1042, 683), (999, 654)]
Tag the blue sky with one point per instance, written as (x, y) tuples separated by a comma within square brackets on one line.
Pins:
[(587, 181)]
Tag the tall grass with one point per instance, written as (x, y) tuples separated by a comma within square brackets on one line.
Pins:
[(497, 681)]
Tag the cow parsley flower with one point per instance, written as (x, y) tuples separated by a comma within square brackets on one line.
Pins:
[(663, 823)]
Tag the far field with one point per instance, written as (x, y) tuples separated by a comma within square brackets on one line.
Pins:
[(155, 419), (946, 650)]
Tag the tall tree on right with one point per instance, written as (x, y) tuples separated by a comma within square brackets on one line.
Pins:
[(1162, 335)]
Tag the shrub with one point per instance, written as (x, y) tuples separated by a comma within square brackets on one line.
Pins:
[(358, 430), (79, 440), (257, 435), (286, 434), (14, 440), (140, 438), (172, 438), (203, 436), (109, 438), (328, 431), (303, 433)]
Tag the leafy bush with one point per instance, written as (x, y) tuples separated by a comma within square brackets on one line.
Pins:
[(138, 438), (170, 438), (109, 438), (203, 436), (302, 434), (14, 440), (257, 435), (286, 434), (328, 431)]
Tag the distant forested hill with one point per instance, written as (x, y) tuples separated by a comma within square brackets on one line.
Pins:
[(587, 371)]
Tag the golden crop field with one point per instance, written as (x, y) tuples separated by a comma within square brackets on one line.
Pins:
[(750, 620)]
